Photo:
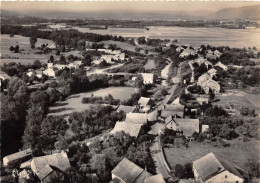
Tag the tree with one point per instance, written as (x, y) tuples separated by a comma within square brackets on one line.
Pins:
[(179, 171), (11, 48), (164, 92), (51, 59), (37, 64), (62, 60), (146, 51), (33, 41)]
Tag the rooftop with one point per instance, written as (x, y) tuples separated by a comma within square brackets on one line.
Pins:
[(132, 129), (126, 109), (58, 160), (136, 118), (19, 155), (210, 165), (130, 172), (143, 101)]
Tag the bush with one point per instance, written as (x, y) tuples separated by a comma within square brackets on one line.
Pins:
[(164, 92)]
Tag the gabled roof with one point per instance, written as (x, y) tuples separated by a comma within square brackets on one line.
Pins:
[(143, 101), (58, 160), (210, 165), (169, 107), (132, 129), (212, 71), (130, 172), (126, 109), (19, 155), (155, 179), (45, 172), (166, 114), (203, 78), (188, 126), (136, 118), (221, 65)]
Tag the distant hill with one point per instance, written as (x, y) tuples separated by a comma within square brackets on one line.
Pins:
[(251, 12)]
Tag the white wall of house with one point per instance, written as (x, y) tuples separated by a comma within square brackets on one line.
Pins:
[(114, 176)]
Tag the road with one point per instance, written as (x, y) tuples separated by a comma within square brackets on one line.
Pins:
[(158, 159)]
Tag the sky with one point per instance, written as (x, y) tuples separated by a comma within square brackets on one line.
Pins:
[(120, 6)]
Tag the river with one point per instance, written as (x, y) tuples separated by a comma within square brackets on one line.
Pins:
[(214, 36)]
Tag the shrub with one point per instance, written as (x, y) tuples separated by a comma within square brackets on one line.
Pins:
[(164, 92)]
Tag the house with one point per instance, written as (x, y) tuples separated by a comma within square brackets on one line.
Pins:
[(128, 172), (212, 72), (212, 168), (179, 49), (203, 78), (145, 104), (187, 52), (168, 110), (105, 50), (120, 56), (107, 58), (186, 126), (60, 66), (49, 72), (155, 179), (136, 118), (204, 128), (132, 129), (210, 85), (148, 78), (52, 46), (202, 99), (20, 156), (216, 52), (26, 164), (45, 165), (202, 60), (219, 64), (126, 109)]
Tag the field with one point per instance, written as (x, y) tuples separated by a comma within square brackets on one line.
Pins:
[(127, 46), (27, 55), (240, 99), (73, 103), (238, 153)]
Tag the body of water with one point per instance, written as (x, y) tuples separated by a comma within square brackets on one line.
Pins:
[(214, 36)]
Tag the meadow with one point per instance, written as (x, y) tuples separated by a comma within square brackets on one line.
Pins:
[(73, 102)]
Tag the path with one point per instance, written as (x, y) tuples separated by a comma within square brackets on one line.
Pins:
[(103, 71)]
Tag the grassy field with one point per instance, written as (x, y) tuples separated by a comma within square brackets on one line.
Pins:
[(129, 47), (27, 55), (73, 103), (238, 153), (239, 99)]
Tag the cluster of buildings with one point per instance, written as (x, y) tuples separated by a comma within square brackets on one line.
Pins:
[(52, 68), (37, 168), (186, 52), (110, 56)]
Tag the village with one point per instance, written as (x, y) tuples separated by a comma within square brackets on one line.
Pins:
[(87, 107)]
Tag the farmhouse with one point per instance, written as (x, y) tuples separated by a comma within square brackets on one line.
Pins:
[(132, 129), (49, 72), (145, 104), (45, 165), (179, 49), (20, 156), (128, 172), (212, 72), (60, 66), (210, 85), (213, 169), (187, 126), (219, 64), (203, 78), (168, 110), (136, 118), (148, 78)]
